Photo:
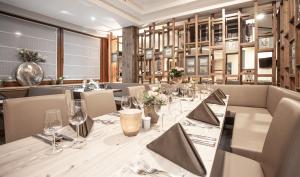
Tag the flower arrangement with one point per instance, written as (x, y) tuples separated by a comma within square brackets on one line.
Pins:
[(154, 97), (176, 72), (30, 56)]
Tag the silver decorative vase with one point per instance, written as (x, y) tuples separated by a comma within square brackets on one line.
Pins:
[(29, 73)]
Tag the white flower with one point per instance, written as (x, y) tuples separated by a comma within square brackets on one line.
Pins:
[(152, 93), (155, 89), (162, 98)]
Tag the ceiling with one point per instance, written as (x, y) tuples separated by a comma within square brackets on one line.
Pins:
[(109, 15)]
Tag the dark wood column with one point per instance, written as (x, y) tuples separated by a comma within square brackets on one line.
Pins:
[(104, 60), (129, 54)]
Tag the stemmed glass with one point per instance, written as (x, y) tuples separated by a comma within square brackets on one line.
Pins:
[(175, 91), (84, 84), (176, 110), (140, 101), (126, 102), (52, 124), (161, 109), (135, 102), (77, 116), (158, 110)]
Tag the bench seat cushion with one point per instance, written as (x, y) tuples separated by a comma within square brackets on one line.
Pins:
[(251, 126), (238, 166)]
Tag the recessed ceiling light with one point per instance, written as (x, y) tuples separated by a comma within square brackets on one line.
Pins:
[(18, 33), (260, 16), (93, 18), (65, 12)]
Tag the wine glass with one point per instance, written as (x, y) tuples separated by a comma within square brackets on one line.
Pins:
[(77, 116), (176, 110), (140, 101), (84, 84), (135, 102), (190, 94), (52, 124), (175, 91), (158, 110), (125, 102)]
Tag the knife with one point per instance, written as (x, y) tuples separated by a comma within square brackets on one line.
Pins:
[(42, 139), (64, 137)]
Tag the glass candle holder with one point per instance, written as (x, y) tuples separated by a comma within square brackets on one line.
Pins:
[(131, 121)]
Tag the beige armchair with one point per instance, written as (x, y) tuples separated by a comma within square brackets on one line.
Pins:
[(99, 102), (24, 117), (136, 90)]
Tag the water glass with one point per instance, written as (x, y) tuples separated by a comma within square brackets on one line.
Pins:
[(52, 124), (126, 102), (77, 116)]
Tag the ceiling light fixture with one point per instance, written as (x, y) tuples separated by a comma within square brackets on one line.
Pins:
[(93, 18), (65, 12), (18, 33), (260, 16)]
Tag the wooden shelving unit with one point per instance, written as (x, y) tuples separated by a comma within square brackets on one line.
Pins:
[(229, 47), (115, 48), (289, 70)]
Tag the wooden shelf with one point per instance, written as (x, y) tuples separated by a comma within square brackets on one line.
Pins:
[(248, 44), (265, 50), (231, 39), (214, 33)]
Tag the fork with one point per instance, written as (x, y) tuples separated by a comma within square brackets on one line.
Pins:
[(203, 137), (147, 170), (205, 143), (151, 170)]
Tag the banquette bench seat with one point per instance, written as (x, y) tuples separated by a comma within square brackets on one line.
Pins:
[(254, 106)]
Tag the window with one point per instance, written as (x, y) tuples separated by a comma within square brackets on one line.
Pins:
[(17, 34), (81, 56)]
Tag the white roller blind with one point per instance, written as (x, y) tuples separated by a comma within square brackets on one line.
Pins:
[(81, 56), (16, 34)]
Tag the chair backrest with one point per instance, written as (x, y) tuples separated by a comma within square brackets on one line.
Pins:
[(281, 151), (99, 102), (246, 95), (276, 93), (24, 117), (136, 90), (122, 86), (40, 91)]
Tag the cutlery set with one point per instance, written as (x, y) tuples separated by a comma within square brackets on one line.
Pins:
[(58, 138), (141, 168), (202, 125)]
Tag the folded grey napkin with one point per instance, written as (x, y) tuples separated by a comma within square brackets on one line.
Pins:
[(177, 147), (203, 113), (85, 128), (214, 99), (220, 93)]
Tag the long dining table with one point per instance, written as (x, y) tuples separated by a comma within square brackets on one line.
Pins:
[(108, 151)]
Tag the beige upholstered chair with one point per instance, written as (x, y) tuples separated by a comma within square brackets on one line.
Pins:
[(99, 102), (24, 117), (136, 90), (281, 155)]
